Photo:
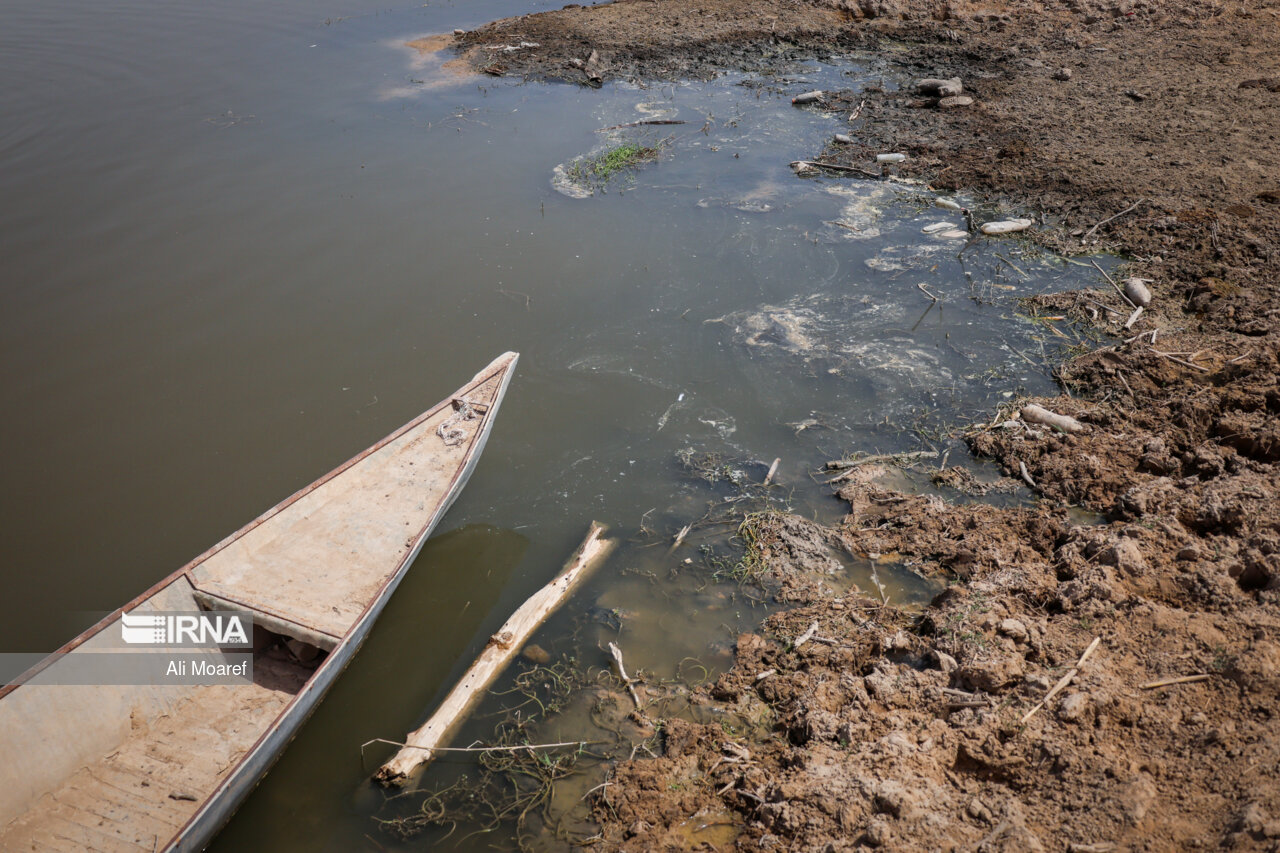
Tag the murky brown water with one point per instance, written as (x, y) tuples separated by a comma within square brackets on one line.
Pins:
[(240, 243)]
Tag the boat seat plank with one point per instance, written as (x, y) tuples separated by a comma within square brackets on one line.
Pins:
[(319, 564)]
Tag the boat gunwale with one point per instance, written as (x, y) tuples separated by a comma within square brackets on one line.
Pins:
[(504, 362)]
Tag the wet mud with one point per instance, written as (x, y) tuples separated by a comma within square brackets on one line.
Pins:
[(1088, 682)]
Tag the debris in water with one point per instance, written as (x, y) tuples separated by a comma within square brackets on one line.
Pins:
[(808, 97), (935, 227), (890, 158)]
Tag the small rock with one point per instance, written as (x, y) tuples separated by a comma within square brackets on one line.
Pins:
[(1126, 556), (978, 810), (993, 676), (1136, 291), (1136, 798), (1063, 74), (890, 158), (878, 833), (1072, 707), (946, 662), (844, 139), (956, 101), (946, 204), (1252, 819), (940, 88), (1015, 630), (459, 32), (536, 654), (1188, 554)]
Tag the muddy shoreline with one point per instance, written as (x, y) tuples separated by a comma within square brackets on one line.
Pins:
[(1148, 129)]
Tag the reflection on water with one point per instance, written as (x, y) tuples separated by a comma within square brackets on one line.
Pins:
[(242, 244)]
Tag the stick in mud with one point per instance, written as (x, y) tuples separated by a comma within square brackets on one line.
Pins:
[(622, 673), (773, 469), (1094, 229), (684, 531), (1169, 682), (805, 637), (1026, 475), (502, 647), (1064, 681)]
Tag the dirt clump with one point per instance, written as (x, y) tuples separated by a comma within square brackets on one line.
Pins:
[(1150, 129)]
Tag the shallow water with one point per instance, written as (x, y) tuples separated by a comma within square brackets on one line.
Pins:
[(239, 247)]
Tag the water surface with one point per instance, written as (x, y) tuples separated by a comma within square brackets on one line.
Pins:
[(241, 243)]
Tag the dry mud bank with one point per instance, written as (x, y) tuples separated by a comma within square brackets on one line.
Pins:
[(912, 731)]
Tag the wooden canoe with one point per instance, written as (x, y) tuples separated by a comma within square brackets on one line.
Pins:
[(163, 767)]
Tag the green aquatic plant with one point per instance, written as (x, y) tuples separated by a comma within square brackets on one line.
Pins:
[(598, 169)]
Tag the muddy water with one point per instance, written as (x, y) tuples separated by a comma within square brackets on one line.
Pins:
[(239, 247)]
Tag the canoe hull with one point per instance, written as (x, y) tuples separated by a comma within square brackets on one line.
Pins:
[(233, 792), (174, 785)]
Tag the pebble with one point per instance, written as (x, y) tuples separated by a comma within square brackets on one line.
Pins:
[(956, 101), (843, 139), (1062, 74), (890, 158), (937, 226), (942, 88), (954, 234), (1015, 630), (1136, 290), (1006, 226), (978, 810), (946, 204)]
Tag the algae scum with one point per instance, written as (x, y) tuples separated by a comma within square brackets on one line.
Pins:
[(764, 312)]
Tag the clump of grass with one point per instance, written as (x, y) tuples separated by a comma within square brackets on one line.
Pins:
[(599, 169)]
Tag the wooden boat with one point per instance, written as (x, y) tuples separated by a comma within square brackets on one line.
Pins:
[(162, 767)]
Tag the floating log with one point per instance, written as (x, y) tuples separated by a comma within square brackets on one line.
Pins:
[(421, 744)]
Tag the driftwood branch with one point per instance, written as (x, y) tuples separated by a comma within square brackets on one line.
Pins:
[(502, 647)]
